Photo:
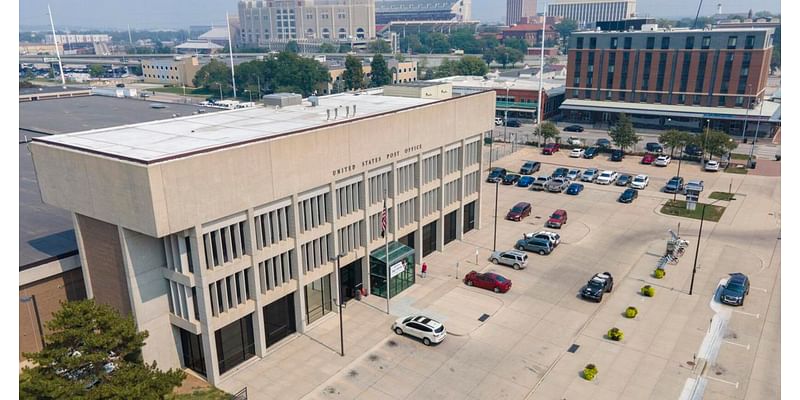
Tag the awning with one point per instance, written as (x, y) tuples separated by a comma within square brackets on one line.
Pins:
[(667, 110)]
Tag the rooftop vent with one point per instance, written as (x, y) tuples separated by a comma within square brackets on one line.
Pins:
[(282, 99)]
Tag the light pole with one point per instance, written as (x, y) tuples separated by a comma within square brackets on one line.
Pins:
[(341, 300), (747, 113), (505, 118), (496, 197), (250, 93), (755, 134), (705, 139), (697, 250)]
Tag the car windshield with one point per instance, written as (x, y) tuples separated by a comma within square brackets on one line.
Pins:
[(517, 209), (595, 284), (638, 179), (556, 216), (735, 286)]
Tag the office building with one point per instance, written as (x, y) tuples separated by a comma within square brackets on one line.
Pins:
[(685, 76), (311, 21), (219, 233), (178, 71), (402, 71), (49, 263), (387, 11), (587, 12), (519, 9)]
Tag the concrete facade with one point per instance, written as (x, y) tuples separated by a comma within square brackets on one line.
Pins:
[(519, 9), (207, 237), (178, 71), (587, 12)]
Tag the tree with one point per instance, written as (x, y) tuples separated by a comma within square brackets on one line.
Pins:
[(446, 68), (96, 70), (292, 46), (353, 74), (664, 22), (213, 76), (345, 48), (327, 48), (439, 44), (380, 71), (379, 46), (505, 56), (516, 43), (92, 352), (566, 27), (718, 143), (464, 39), (472, 65), (622, 132), (488, 56), (291, 71), (674, 138), (546, 130)]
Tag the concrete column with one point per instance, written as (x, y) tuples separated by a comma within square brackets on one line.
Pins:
[(460, 214), (418, 235), (300, 272), (335, 250), (440, 223), (204, 306), (87, 279), (259, 324)]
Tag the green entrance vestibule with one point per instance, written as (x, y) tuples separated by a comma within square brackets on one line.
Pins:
[(401, 266)]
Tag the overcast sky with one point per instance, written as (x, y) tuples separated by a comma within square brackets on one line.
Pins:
[(166, 14)]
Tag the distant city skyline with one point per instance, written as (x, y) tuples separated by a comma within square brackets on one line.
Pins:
[(180, 14)]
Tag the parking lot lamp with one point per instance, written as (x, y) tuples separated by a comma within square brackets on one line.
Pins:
[(341, 300), (496, 197), (705, 140)]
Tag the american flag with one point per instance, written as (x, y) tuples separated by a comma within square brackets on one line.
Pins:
[(383, 219)]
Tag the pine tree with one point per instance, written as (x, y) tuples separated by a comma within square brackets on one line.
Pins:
[(380, 71), (353, 74)]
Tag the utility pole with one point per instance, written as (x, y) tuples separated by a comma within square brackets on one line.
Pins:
[(755, 134), (697, 250)]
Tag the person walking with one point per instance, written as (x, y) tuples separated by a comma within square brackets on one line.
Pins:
[(424, 270)]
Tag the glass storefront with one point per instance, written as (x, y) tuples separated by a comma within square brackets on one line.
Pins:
[(318, 298), (401, 265), (450, 229), (429, 238), (235, 343), (469, 217), (192, 346), (279, 319)]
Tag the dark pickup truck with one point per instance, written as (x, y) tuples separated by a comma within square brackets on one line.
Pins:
[(601, 283)]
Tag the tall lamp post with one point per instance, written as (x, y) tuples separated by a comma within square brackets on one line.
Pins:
[(697, 250), (250, 93), (496, 197), (747, 113), (705, 140), (341, 300), (505, 118)]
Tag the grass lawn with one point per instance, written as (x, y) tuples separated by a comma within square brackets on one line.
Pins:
[(721, 196), (737, 156), (200, 92), (736, 170), (678, 209), (201, 394)]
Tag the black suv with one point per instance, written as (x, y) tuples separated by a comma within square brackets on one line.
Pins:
[(513, 123), (734, 291), (573, 128), (693, 150), (496, 175), (600, 284), (653, 147), (617, 155)]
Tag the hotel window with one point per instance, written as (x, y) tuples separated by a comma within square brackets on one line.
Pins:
[(272, 227), (276, 271), (651, 42), (225, 244), (348, 199), (665, 42), (313, 211), (627, 44), (579, 43), (593, 43), (614, 42), (706, 42), (430, 169), (750, 42), (689, 43), (192, 346), (316, 253), (230, 292), (732, 42), (341, 15)]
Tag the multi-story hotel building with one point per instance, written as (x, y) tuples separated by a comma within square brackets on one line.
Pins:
[(587, 12), (688, 76), (519, 9), (219, 232), (313, 21)]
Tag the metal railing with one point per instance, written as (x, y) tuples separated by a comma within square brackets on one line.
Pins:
[(240, 395)]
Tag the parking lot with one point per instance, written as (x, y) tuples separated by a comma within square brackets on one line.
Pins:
[(521, 349)]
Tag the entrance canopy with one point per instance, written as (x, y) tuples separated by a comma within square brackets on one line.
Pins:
[(397, 253), (671, 110)]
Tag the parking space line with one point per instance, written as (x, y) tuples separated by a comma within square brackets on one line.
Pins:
[(738, 344), (735, 384), (747, 313), (758, 288)]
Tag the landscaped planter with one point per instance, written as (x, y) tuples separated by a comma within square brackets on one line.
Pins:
[(648, 291), (615, 334), (631, 312), (659, 273), (589, 372)]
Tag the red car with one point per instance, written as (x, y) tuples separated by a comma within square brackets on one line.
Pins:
[(558, 218), (489, 280), (550, 148), (519, 211), (648, 158)]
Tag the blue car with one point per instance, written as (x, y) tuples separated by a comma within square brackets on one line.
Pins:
[(574, 189), (525, 181)]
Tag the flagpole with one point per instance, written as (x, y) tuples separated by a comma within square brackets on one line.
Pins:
[(386, 247)]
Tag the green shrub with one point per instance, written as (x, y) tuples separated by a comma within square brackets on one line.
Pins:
[(615, 334), (631, 312), (589, 372), (648, 291), (659, 273)]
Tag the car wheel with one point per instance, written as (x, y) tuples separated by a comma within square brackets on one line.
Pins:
[(542, 252), (516, 266), (519, 248), (599, 299), (495, 261), (469, 283), (426, 341), (398, 331), (610, 288), (497, 289)]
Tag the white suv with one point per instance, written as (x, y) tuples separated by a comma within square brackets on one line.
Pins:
[(422, 327), (512, 258), (640, 181), (607, 177)]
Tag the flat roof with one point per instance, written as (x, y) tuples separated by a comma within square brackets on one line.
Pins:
[(50, 89), (162, 140), (46, 232), (764, 112), (532, 83)]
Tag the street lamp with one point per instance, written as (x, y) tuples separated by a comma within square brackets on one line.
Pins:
[(747, 113), (341, 300), (505, 118), (250, 93), (697, 250), (705, 140), (496, 197)]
